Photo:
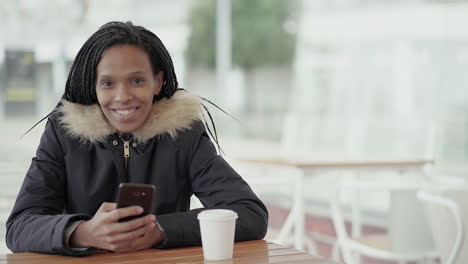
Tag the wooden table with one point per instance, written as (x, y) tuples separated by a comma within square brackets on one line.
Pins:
[(344, 163), (255, 252), (295, 222)]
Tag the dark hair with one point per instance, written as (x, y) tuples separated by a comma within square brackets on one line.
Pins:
[(81, 83)]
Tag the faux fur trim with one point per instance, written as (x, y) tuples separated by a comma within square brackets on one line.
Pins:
[(167, 116), (86, 122)]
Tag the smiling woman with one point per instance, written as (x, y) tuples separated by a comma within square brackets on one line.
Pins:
[(126, 86), (123, 118)]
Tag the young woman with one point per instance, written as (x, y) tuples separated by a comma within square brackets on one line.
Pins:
[(123, 118)]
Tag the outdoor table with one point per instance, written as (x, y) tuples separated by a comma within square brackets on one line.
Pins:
[(294, 226), (255, 252)]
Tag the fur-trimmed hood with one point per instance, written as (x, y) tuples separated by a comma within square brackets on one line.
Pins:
[(170, 116)]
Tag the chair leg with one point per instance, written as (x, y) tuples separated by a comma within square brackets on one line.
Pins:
[(311, 246), (336, 251), (356, 258)]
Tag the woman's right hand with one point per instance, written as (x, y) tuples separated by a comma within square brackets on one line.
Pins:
[(103, 231)]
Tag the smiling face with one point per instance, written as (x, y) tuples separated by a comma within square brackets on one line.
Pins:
[(125, 86)]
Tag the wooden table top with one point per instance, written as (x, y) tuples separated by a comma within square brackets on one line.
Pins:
[(254, 252), (309, 163)]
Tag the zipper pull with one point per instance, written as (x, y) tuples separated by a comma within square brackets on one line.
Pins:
[(126, 151)]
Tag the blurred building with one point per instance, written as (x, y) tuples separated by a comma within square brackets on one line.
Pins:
[(40, 39), (384, 70)]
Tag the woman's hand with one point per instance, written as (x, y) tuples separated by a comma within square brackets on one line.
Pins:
[(104, 231)]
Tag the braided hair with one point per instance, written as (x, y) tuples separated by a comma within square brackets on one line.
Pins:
[(81, 82)]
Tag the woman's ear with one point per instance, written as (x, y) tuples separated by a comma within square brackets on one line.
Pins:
[(159, 82)]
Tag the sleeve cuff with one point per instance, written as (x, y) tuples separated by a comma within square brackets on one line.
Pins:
[(164, 241), (69, 231)]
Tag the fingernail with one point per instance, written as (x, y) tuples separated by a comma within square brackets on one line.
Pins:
[(139, 210)]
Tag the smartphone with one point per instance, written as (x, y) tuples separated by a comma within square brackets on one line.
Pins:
[(131, 194)]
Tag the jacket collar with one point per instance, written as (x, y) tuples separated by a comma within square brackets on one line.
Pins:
[(87, 122)]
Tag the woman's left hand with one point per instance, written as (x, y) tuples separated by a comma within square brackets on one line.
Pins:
[(150, 239)]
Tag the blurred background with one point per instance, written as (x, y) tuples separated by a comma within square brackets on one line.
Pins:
[(337, 79)]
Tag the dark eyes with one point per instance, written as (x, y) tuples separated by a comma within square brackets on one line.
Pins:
[(105, 84), (133, 82), (137, 81)]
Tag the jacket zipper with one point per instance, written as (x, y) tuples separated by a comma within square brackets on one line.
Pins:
[(126, 153)]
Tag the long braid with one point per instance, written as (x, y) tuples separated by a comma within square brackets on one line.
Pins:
[(154, 45)]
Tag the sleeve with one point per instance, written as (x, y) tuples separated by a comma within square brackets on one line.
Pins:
[(217, 185), (37, 222), (69, 231)]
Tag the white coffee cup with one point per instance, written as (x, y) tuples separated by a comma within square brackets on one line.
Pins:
[(217, 227)]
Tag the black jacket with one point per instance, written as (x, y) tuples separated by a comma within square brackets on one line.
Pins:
[(79, 164)]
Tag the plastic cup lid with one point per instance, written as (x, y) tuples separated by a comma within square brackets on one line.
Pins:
[(217, 214)]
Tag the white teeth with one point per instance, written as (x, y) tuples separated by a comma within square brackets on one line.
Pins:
[(125, 112)]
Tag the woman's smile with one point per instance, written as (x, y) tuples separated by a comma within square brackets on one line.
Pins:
[(125, 113)]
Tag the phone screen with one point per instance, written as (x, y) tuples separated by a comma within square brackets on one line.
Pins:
[(131, 194)]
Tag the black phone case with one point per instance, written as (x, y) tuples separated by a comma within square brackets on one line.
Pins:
[(136, 195)]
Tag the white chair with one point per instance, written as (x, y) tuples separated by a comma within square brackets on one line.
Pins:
[(303, 135), (282, 186), (284, 182), (446, 204), (445, 214), (380, 246)]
